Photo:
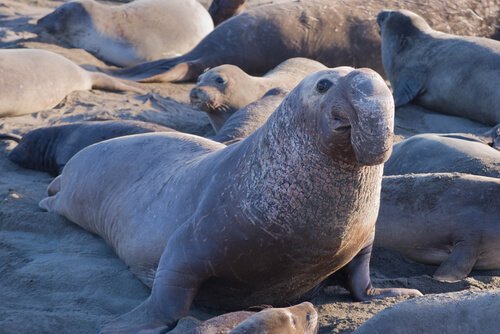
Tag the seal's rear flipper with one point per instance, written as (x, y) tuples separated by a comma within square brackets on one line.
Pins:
[(105, 82), (459, 264), (10, 136), (144, 70), (182, 72), (406, 91)]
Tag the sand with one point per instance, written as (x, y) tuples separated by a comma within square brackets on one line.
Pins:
[(57, 278)]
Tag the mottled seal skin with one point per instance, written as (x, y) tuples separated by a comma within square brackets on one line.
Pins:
[(35, 80), (443, 153), (221, 91), (245, 121), (49, 149), (451, 74), (450, 220), (262, 221), (221, 10), (333, 32), (298, 319), (132, 33)]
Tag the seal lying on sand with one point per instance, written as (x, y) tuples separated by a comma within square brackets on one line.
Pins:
[(443, 153), (333, 32), (131, 33), (226, 88), (245, 121), (49, 149), (34, 80), (262, 221), (221, 10), (450, 220), (451, 74)]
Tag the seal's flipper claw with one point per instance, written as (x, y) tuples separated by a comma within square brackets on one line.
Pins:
[(459, 264)]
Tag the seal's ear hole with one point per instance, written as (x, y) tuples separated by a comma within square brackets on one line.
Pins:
[(323, 85)]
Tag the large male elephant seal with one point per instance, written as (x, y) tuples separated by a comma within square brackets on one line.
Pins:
[(451, 74), (226, 88), (333, 32), (34, 80), (49, 149), (443, 153), (262, 221), (450, 220), (131, 33)]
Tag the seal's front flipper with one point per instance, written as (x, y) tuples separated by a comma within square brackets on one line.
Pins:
[(406, 90), (10, 136), (459, 264), (359, 283), (182, 72)]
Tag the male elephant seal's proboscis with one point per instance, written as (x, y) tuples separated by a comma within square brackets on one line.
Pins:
[(262, 221), (333, 32), (49, 149), (35, 80), (131, 33), (451, 74), (226, 88)]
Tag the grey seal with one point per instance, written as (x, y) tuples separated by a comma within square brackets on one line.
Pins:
[(221, 10)]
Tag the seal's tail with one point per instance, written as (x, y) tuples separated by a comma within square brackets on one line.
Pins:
[(105, 82), (10, 136)]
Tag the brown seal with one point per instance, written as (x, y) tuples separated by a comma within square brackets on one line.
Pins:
[(262, 221), (333, 32)]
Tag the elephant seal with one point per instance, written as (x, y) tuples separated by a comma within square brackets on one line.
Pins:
[(464, 312), (297, 319), (245, 121), (455, 75), (333, 32), (49, 149), (221, 10), (262, 221), (444, 219), (226, 88), (443, 153), (132, 33), (35, 80)]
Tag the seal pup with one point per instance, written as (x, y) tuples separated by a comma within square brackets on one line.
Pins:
[(35, 80), (221, 10), (226, 88), (262, 221), (443, 153), (131, 33), (333, 32), (245, 121), (450, 220), (49, 149), (455, 75)]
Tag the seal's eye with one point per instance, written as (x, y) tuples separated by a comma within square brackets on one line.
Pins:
[(220, 80), (308, 316), (323, 85)]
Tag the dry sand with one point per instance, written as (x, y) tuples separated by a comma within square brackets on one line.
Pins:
[(57, 278)]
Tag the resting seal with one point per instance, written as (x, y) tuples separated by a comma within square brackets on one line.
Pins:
[(333, 32), (450, 220), (248, 119), (291, 204), (49, 149), (443, 153), (451, 74), (34, 80), (131, 33), (221, 10), (226, 88)]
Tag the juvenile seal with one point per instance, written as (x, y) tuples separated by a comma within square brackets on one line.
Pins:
[(221, 10), (49, 149), (226, 88), (333, 32), (131, 33), (34, 80), (451, 74), (262, 221), (450, 220), (245, 121), (443, 153)]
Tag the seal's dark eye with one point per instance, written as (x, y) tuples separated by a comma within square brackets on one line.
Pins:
[(220, 80), (323, 85)]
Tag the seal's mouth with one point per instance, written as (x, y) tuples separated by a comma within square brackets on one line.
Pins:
[(341, 125)]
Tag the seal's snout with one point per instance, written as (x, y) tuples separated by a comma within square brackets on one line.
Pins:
[(48, 23), (382, 17), (198, 97)]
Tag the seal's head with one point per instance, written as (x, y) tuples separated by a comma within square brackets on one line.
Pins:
[(33, 151), (350, 113), (70, 19), (223, 90), (298, 319)]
